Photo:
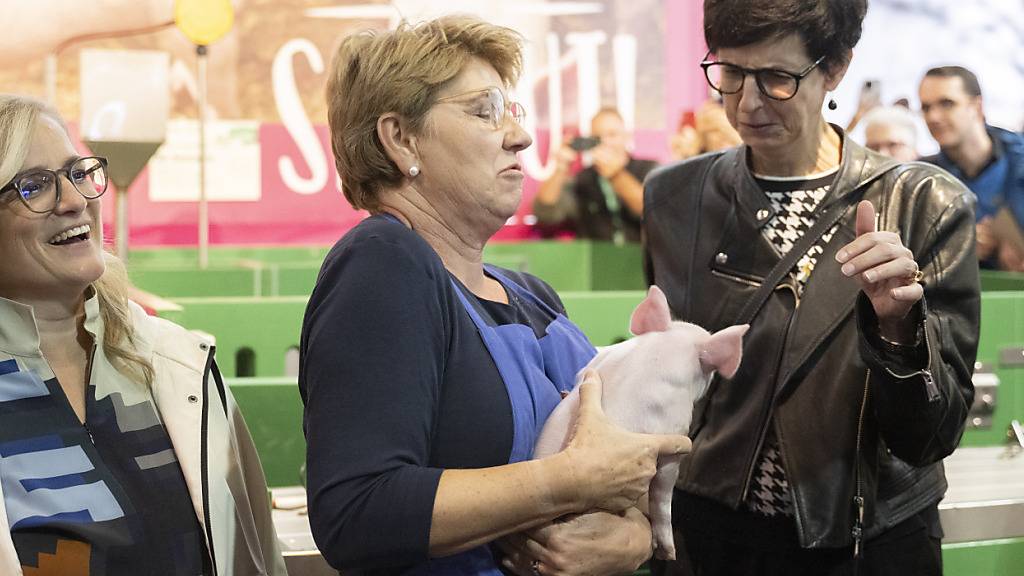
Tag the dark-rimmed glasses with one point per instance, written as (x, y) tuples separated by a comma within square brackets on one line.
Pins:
[(496, 110), (39, 190), (774, 83)]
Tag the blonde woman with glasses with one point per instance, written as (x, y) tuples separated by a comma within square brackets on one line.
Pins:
[(121, 451)]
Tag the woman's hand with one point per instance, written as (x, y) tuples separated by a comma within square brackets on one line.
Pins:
[(1009, 259), (589, 544), (609, 161), (610, 468), (565, 155), (685, 143), (887, 273), (986, 242)]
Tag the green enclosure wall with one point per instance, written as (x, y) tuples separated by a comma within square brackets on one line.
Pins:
[(252, 300), (567, 266)]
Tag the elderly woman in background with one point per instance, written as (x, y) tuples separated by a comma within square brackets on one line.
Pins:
[(891, 130), (427, 375), (858, 277), (121, 452)]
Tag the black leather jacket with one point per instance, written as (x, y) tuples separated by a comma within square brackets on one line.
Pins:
[(816, 362)]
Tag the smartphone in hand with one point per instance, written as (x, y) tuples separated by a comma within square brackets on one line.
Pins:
[(584, 143), (871, 93)]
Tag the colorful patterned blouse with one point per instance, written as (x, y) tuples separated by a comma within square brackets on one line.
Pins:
[(104, 498)]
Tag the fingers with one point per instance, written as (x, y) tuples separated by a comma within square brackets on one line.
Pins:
[(985, 238), (516, 559), (903, 269), (566, 155), (518, 562), (590, 395), (522, 554), (865, 218), (910, 293), (672, 444), (881, 261), (866, 232), (509, 544), (867, 242)]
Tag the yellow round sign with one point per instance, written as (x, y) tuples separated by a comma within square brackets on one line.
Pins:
[(204, 21)]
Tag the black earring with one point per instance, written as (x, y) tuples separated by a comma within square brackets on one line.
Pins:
[(832, 104)]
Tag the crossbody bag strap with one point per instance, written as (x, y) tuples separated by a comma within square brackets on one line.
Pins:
[(824, 223)]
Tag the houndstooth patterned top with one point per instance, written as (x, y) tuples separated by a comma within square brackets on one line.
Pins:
[(795, 202)]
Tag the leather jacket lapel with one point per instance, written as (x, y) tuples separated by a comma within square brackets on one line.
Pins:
[(826, 303), (743, 252)]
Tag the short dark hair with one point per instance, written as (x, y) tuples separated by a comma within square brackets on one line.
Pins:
[(971, 85), (828, 28)]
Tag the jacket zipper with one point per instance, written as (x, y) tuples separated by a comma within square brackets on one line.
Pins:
[(735, 278), (858, 498), (741, 280), (926, 374), (204, 456), (88, 381)]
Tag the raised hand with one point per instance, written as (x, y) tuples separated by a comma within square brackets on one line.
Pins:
[(886, 271)]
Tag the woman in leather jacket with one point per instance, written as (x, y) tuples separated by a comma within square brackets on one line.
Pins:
[(824, 452)]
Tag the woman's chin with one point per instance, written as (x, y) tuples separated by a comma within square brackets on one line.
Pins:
[(82, 272)]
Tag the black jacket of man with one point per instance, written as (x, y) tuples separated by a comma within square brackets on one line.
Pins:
[(818, 363)]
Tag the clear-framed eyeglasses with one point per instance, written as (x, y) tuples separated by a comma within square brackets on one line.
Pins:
[(772, 82), (493, 106), (39, 190)]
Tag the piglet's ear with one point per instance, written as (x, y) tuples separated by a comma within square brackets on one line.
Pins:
[(723, 350), (651, 315)]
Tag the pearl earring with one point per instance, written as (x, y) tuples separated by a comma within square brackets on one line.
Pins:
[(414, 171)]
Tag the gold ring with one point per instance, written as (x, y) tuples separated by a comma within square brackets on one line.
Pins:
[(535, 567), (918, 275)]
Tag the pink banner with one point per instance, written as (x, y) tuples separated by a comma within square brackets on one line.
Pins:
[(646, 55)]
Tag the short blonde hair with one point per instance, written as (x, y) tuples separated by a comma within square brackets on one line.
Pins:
[(401, 71), (18, 117)]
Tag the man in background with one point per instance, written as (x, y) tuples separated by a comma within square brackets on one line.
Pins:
[(605, 200), (989, 160)]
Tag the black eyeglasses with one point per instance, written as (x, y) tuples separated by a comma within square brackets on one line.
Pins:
[(39, 190), (774, 83)]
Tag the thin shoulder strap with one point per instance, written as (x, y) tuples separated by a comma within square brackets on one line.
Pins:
[(828, 219)]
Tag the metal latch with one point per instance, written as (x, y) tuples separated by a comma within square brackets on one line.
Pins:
[(1011, 356), (986, 385), (1015, 436)]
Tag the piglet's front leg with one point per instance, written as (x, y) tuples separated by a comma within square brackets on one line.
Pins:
[(660, 503)]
